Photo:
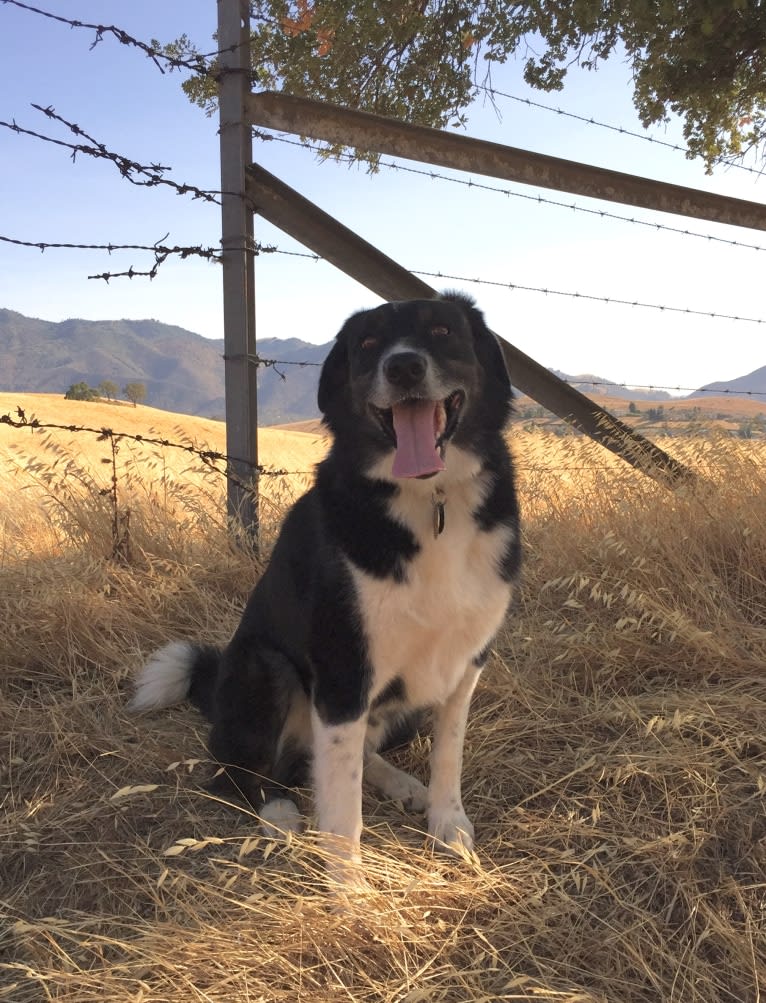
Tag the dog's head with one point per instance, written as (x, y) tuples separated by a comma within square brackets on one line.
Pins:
[(413, 376)]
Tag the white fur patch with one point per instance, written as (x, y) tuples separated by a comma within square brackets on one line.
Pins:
[(426, 629), (338, 759), (165, 678), (279, 817)]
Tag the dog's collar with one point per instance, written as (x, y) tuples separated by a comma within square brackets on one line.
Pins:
[(438, 500)]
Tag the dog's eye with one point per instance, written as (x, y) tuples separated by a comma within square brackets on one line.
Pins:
[(369, 342), (439, 330)]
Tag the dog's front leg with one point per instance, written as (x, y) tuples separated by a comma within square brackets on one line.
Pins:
[(338, 759), (447, 821)]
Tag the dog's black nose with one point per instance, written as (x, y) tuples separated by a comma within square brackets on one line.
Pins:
[(405, 369)]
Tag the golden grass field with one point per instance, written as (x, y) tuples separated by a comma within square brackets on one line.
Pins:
[(615, 763)]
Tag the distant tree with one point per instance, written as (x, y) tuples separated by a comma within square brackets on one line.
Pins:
[(80, 392), (656, 413), (632, 409), (135, 392), (108, 389)]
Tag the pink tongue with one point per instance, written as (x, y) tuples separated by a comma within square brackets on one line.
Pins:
[(414, 424)]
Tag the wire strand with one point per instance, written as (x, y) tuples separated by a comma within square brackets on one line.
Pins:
[(589, 120), (509, 193)]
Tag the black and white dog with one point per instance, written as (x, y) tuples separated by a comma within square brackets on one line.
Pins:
[(385, 588)]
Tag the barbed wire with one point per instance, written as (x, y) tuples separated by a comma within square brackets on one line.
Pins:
[(209, 457), (127, 167), (161, 252), (154, 177), (591, 297), (262, 363), (509, 193), (131, 273), (255, 249), (198, 63), (511, 286), (715, 391), (589, 120), (574, 207), (608, 300)]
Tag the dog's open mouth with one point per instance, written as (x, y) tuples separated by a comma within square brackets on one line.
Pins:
[(420, 429)]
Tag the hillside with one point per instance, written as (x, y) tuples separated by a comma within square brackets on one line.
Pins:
[(747, 386), (32, 459), (182, 371)]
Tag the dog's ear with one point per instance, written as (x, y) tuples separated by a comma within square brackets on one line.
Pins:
[(334, 375), (486, 346), (334, 378)]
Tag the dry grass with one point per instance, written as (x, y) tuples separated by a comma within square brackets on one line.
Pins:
[(615, 766)]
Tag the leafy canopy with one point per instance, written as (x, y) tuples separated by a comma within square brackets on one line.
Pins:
[(422, 60), (135, 393), (81, 392)]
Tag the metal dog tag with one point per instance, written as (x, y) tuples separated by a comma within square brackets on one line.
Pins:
[(438, 503)]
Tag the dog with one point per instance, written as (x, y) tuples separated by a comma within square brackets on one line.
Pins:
[(385, 589)]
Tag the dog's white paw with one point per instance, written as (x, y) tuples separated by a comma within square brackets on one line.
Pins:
[(395, 784), (451, 830), (279, 817), (408, 790)]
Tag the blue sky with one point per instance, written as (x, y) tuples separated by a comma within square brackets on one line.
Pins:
[(118, 96)]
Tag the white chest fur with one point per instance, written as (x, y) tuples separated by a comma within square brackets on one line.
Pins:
[(426, 629)]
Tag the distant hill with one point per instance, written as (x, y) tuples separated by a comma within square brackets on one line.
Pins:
[(182, 371), (588, 383), (752, 385)]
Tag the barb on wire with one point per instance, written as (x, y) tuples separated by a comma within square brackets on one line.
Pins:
[(287, 362), (261, 363), (197, 63)]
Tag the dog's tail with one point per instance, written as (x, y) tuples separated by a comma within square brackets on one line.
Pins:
[(176, 672)]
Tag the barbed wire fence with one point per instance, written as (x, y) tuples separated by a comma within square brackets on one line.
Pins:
[(154, 174), (224, 465), (213, 460)]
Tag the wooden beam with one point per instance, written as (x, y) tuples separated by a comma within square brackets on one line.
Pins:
[(365, 131), (238, 263), (324, 235)]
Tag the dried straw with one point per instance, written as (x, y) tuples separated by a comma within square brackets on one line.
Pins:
[(615, 765)]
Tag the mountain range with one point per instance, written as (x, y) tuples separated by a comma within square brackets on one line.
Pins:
[(181, 371), (184, 372)]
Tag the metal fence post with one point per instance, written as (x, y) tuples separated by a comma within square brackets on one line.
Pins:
[(238, 263)]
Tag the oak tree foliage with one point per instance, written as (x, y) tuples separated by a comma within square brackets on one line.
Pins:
[(135, 392), (422, 60)]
